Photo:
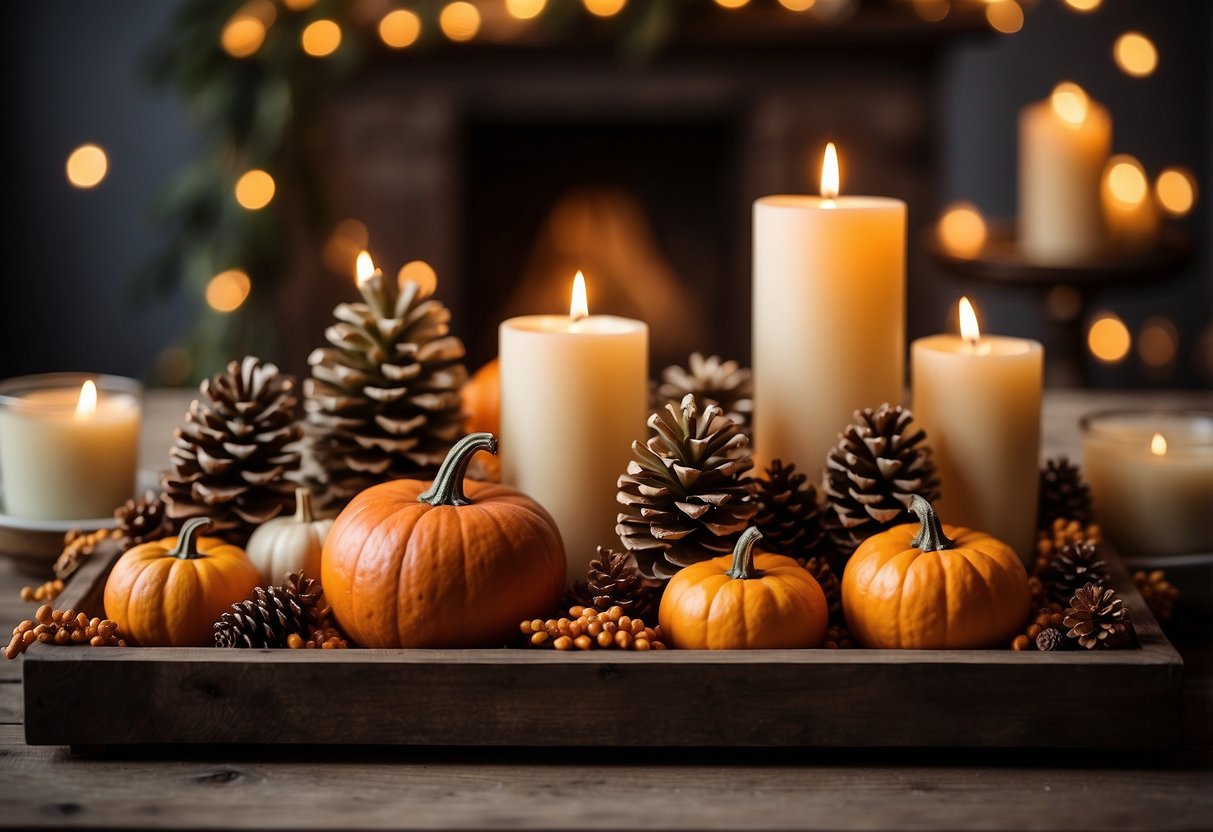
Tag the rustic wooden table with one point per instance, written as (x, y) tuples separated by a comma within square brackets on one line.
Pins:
[(251, 788)]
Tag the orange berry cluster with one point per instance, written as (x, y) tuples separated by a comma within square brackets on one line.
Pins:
[(1050, 615), (63, 627), (586, 628), (48, 591), (321, 638)]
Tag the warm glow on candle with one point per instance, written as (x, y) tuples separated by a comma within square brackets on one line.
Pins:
[(1070, 102), (86, 405), (365, 267), (829, 173), (1158, 445), (969, 330), (1126, 180), (579, 307)]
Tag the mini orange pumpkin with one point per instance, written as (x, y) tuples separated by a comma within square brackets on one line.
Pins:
[(170, 592), (743, 601), (921, 586), (482, 399), (415, 564)]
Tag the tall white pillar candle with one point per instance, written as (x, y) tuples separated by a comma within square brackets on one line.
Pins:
[(978, 399), (574, 395), (828, 317), (1063, 146)]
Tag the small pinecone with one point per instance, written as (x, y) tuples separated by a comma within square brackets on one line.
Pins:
[(880, 462), (789, 516), (712, 381), (142, 519), (820, 569), (1097, 618), (385, 396), (232, 456), (1159, 594), (1063, 494), (1062, 533), (1072, 567), (614, 580), (1050, 639), (268, 618), (684, 497)]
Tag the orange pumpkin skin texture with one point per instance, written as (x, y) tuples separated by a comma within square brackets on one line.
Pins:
[(482, 399), (161, 599), (774, 604), (972, 594), (399, 572)]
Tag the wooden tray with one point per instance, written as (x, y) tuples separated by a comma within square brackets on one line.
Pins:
[(810, 698)]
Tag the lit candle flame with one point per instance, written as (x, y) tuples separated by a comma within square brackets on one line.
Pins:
[(86, 405), (365, 267), (1070, 102), (969, 330), (1158, 445), (580, 306), (829, 173)]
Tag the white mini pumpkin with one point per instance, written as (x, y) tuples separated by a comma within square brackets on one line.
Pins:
[(289, 544)]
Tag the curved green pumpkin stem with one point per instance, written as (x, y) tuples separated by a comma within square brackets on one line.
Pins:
[(743, 555), (447, 488), (930, 537), (187, 539)]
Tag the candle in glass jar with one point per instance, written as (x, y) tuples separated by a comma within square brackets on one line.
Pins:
[(978, 399), (574, 395), (68, 445), (1151, 478)]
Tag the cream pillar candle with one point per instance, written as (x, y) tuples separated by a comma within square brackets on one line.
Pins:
[(69, 445), (828, 317), (574, 394), (978, 399), (1063, 145), (1132, 217)]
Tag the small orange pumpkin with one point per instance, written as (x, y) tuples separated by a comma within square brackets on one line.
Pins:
[(416, 564), (170, 593), (482, 399), (743, 601), (923, 586)]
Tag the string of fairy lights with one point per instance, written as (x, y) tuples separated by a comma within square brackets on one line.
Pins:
[(325, 29)]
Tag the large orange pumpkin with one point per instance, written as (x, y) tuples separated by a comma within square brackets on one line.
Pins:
[(923, 586), (743, 601), (170, 593), (416, 564)]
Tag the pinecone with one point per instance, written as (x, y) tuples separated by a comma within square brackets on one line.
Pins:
[(614, 580), (1159, 594), (1072, 567), (684, 498), (877, 466), (385, 396), (1097, 618), (265, 620), (789, 516), (820, 569), (712, 381), (232, 456), (1050, 639), (1062, 533), (142, 519), (1063, 494)]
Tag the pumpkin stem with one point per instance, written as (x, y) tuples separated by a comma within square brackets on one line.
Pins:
[(930, 537), (303, 505), (447, 488), (743, 555), (186, 548)]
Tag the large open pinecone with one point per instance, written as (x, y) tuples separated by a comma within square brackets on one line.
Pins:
[(384, 398), (684, 497), (614, 580), (142, 519), (712, 381), (1063, 494), (879, 464), (1072, 567), (271, 615), (232, 456), (788, 515), (1097, 618)]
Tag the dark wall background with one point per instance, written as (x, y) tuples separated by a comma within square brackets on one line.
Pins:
[(72, 74)]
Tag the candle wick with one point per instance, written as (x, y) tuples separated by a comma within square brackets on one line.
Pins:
[(577, 316), (972, 343)]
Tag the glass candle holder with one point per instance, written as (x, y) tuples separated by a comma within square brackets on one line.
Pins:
[(1151, 478), (69, 444)]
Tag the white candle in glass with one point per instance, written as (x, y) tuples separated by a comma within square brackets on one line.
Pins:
[(574, 395), (828, 317), (978, 399)]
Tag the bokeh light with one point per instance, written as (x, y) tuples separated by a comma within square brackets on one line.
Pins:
[(962, 230), (321, 38), (242, 36), (932, 11), (1083, 5), (227, 290), (400, 29), (1070, 102), (254, 190), (87, 166), (525, 9), (732, 4), (1005, 16), (604, 8), (421, 273), (1126, 180), (1108, 338), (1175, 189), (1135, 54), (459, 21), (1158, 343), (298, 5), (797, 5)]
